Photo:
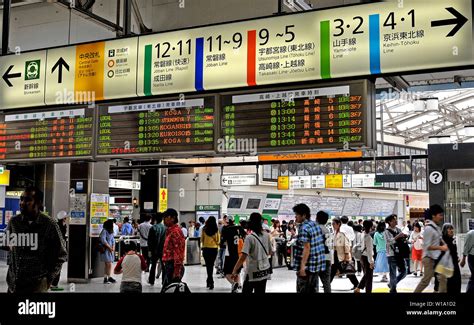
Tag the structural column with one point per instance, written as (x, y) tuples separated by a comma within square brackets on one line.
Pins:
[(84, 263)]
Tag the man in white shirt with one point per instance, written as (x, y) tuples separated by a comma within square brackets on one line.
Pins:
[(347, 230), (143, 231), (116, 228)]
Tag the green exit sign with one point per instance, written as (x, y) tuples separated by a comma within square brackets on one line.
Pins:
[(2, 169)]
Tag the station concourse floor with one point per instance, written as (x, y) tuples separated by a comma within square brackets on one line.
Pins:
[(283, 281)]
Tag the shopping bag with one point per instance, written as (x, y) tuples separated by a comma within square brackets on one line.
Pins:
[(445, 265)]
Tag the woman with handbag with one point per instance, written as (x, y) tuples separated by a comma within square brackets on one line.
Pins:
[(342, 255), (454, 282), (210, 243), (257, 248)]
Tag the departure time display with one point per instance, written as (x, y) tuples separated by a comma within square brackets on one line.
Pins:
[(180, 126), (310, 118), (46, 135)]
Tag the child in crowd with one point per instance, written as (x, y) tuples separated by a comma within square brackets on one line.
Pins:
[(131, 265)]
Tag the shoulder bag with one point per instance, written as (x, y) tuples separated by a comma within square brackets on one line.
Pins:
[(262, 273)]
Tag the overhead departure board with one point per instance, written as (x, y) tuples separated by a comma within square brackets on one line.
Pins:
[(305, 118), (160, 127), (46, 135)]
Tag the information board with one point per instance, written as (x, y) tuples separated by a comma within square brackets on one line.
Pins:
[(159, 127), (46, 135), (352, 41), (320, 117)]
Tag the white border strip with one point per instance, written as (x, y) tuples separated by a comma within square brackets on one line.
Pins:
[(291, 94), (199, 102)]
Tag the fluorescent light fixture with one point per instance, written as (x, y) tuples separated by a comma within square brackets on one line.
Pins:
[(469, 130), (439, 139), (432, 106), (303, 4), (297, 5)]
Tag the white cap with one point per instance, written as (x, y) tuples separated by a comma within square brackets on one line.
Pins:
[(61, 215)]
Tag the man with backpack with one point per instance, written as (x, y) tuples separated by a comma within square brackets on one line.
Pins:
[(397, 251), (156, 241), (433, 248), (232, 240)]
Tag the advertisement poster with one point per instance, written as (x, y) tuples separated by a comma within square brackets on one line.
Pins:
[(99, 213), (78, 209)]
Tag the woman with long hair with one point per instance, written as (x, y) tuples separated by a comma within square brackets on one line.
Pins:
[(257, 248), (454, 282), (107, 249), (381, 262), (280, 240), (210, 239), (416, 240)]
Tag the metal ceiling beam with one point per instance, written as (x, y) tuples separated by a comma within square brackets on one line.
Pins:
[(7, 5), (95, 18), (443, 130)]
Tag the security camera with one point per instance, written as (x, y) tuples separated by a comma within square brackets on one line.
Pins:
[(195, 177), (209, 177), (142, 172), (130, 164)]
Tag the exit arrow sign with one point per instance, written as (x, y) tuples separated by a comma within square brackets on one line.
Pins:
[(459, 21), (60, 64), (7, 76)]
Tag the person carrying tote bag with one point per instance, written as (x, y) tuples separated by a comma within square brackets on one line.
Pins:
[(342, 255)]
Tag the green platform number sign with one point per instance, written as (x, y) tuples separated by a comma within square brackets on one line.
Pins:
[(32, 69)]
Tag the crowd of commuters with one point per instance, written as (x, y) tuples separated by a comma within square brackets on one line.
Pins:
[(317, 248)]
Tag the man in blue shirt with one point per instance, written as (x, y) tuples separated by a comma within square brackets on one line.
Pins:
[(309, 251), (127, 229)]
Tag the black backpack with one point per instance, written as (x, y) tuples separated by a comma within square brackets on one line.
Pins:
[(400, 248), (176, 287)]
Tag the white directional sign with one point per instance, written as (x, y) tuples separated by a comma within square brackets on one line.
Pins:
[(239, 180), (22, 82), (363, 180), (383, 37), (347, 181), (128, 185), (318, 181), (300, 182)]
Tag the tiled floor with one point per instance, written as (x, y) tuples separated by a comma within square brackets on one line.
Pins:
[(283, 280)]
